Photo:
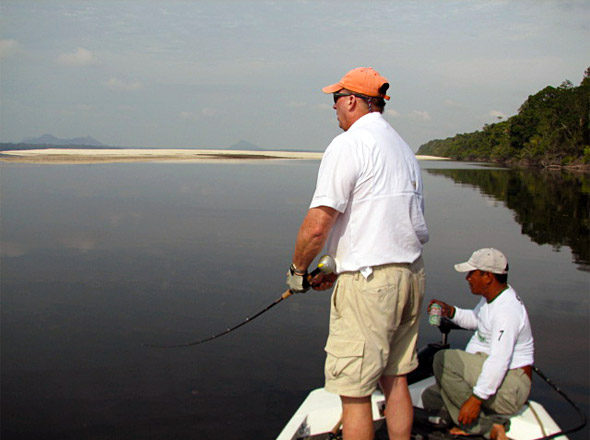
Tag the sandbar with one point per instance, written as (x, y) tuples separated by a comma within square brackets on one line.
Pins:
[(108, 155)]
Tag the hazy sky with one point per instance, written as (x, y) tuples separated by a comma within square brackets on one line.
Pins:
[(206, 74)]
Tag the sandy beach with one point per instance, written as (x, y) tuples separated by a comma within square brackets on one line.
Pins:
[(79, 156)]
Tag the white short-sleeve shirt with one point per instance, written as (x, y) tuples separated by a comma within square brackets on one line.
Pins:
[(371, 176)]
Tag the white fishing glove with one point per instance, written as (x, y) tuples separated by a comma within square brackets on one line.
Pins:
[(297, 280)]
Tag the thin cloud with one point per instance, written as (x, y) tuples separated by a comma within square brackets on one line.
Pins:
[(8, 48), (81, 57), (416, 115), (188, 116), (206, 112), (209, 112), (495, 71), (125, 86), (420, 115), (453, 104), (296, 104), (12, 249), (82, 243)]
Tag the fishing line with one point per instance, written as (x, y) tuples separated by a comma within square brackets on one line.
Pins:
[(285, 295), (326, 265), (582, 416)]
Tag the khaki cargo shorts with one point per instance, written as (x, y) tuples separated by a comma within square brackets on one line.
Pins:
[(373, 327)]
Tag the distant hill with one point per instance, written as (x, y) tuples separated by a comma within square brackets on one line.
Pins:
[(245, 145), (48, 139)]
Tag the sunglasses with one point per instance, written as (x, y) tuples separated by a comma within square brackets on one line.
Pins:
[(340, 95)]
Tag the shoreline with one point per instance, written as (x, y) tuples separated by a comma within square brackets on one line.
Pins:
[(105, 155)]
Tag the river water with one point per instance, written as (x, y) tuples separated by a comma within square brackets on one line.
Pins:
[(98, 260)]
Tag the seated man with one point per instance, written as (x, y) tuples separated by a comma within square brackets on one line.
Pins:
[(481, 386)]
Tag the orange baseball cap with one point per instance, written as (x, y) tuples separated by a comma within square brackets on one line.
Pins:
[(363, 80)]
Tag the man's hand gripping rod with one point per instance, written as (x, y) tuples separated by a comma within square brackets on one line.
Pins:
[(326, 265)]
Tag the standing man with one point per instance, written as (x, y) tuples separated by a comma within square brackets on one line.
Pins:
[(481, 386), (368, 207)]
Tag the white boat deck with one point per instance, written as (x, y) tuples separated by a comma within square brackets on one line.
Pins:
[(320, 413)]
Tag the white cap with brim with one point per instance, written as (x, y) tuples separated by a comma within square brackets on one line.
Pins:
[(487, 260)]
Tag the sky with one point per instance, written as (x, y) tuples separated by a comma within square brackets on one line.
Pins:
[(207, 74)]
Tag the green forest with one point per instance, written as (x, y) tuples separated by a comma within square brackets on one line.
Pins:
[(552, 128)]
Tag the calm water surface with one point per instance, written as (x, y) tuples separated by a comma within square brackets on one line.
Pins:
[(100, 259)]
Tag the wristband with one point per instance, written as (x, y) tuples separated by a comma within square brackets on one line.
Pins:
[(296, 271)]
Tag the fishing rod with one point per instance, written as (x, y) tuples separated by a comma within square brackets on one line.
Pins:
[(425, 358), (326, 265), (581, 415)]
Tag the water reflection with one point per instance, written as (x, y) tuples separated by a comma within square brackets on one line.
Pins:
[(100, 259), (551, 207)]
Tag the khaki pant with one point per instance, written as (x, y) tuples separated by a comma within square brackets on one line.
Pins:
[(456, 373), (373, 327)]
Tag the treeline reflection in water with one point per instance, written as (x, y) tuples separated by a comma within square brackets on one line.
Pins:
[(552, 207), (98, 260)]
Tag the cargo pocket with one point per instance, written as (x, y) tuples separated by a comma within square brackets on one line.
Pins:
[(344, 360)]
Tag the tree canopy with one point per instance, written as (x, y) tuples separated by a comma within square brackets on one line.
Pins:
[(552, 127)]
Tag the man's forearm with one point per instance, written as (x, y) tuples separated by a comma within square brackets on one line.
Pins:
[(312, 235)]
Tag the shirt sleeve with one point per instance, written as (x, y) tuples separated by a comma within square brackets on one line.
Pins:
[(503, 339), (337, 176), (466, 319)]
